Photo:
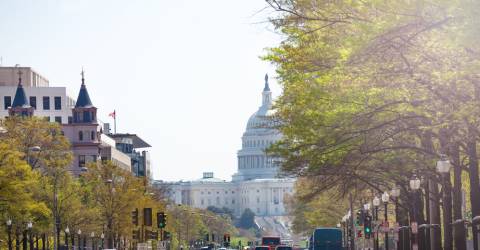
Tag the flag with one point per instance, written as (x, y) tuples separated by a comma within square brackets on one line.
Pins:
[(112, 114)]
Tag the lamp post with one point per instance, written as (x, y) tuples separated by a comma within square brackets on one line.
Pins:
[(9, 232), (443, 167), (67, 231), (102, 236), (385, 199), (92, 236), (79, 233), (30, 235), (376, 204), (415, 186)]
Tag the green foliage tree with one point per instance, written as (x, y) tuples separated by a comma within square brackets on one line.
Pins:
[(247, 219)]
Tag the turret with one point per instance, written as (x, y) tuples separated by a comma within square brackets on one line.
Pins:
[(21, 105), (84, 111)]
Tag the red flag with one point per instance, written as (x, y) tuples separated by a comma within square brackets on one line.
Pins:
[(112, 114)]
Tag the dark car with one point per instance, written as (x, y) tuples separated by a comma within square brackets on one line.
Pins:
[(262, 248), (283, 248)]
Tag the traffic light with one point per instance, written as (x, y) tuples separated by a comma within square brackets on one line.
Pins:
[(161, 220), (360, 217), (136, 234), (359, 234), (213, 237), (207, 237), (167, 235), (151, 235), (147, 216), (135, 217), (367, 226)]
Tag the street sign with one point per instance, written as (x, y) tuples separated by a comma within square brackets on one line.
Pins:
[(414, 227)]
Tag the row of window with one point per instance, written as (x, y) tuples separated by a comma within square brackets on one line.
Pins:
[(7, 102), (255, 143), (218, 192), (255, 162), (217, 201)]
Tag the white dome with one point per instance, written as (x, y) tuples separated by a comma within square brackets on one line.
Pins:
[(262, 119)]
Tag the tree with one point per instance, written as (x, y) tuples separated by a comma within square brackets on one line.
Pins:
[(247, 219), (377, 91)]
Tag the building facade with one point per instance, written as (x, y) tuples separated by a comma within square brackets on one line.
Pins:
[(255, 185), (78, 118)]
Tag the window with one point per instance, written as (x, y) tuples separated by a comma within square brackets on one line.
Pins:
[(92, 135), (94, 158), (7, 102), (58, 102), (258, 199), (33, 101), (80, 135), (46, 118), (233, 201), (81, 161), (217, 200), (201, 201), (70, 120), (46, 103), (258, 210), (58, 119)]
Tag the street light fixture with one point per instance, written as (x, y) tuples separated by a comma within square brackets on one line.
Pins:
[(102, 236), (395, 192), (67, 231), (443, 165), (79, 233), (415, 183), (376, 204), (9, 232), (30, 226), (366, 206), (92, 235), (385, 199)]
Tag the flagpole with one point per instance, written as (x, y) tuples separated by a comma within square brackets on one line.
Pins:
[(114, 121)]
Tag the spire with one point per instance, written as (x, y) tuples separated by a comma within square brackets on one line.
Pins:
[(266, 88), (83, 100), (20, 100)]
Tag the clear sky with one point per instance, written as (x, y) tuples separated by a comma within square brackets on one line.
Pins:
[(183, 75)]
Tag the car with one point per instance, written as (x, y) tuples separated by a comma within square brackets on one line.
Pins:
[(262, 248), (283, 248)]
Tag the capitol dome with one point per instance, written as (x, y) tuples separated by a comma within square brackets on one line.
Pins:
[(253, 163)]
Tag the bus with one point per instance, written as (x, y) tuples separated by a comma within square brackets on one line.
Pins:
[(270, 241), (326, 238)]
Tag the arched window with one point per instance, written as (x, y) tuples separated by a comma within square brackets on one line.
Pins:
[(92, 135), (80, 135)]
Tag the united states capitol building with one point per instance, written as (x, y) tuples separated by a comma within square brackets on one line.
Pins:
[(256, 184)]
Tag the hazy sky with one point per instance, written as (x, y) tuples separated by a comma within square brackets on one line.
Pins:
[(183, 75)]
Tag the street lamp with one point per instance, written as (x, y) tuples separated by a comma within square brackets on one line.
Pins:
[(67, 231), (79, 233), (9, 232), (92, 235), (385, 199), (415, 186), (103, 237), (30, 226), (376, 204)]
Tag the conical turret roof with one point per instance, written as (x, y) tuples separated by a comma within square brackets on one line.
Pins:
[(20, 100), (83, 99)]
